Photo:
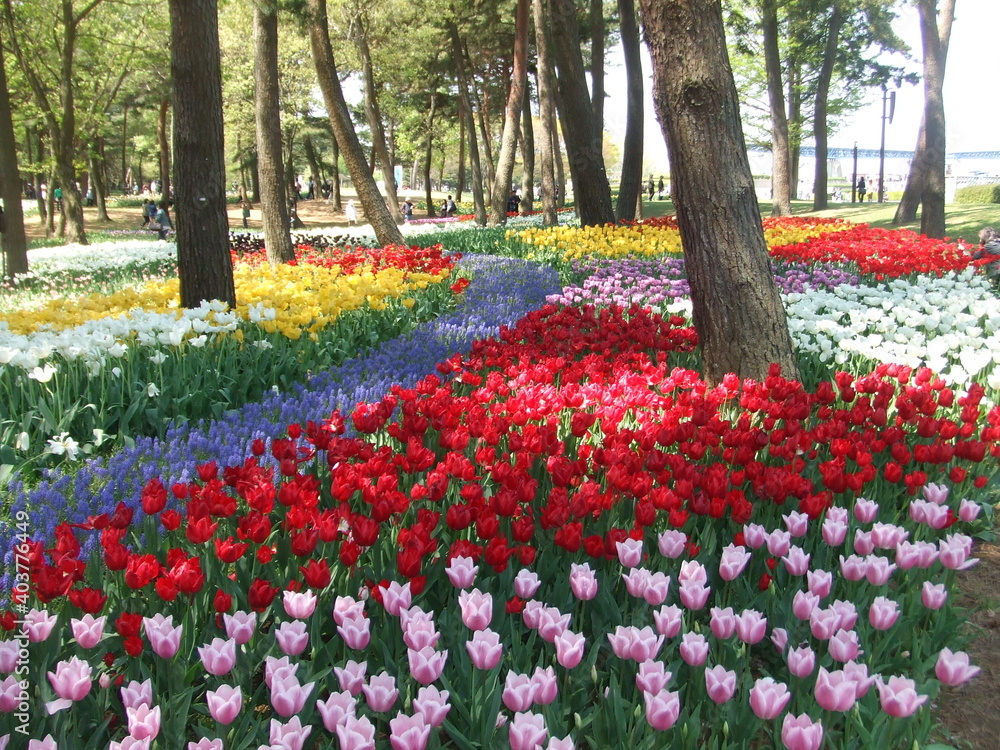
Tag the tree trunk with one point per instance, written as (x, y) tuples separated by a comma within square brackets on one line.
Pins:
[(736, 307), (376, 212), (906, 211), (511, 118), (429, 157), (64, 132), (486, 157), (99, 169), (546, 113), (337, 201), (470, 126), (15, 244), (932, 218), (204, 264), (374, 115), (781, 204), (37, 178), (460, 188), (124, 148), (794, 126), (255, 175), (315, 168), (820, 188), (164, 143), (591, 191), (527, 156), (275, 216), (597, 63), (631, 184)]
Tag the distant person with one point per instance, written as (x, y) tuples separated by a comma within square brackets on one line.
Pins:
[(989, 248), (513, 203), (650, 187), (449, 208), (862, 188), (351, 213), (148, 213), (659, 189), (408, 210), (90, 196), (311, 195), (3, 221), (245, 205), (163, 220)]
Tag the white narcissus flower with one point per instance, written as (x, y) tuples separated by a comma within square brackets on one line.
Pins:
[(43, 374), (158, 358), (23, 442), (152, 391), (64, 445)]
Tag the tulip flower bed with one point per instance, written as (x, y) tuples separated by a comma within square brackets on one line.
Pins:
[(561, 539), (78, 373)]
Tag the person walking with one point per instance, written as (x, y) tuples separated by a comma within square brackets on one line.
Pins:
[(659, 189), (351, 213), (650, 187), (245, 205), (163, 220), (862, 188)]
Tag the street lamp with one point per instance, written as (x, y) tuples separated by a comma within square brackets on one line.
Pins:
[(888, 102)]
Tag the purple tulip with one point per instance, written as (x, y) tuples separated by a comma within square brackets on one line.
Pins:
[(863, 544), (969, 511), (356, 632), (796, 561), (933, 595), (671, 543), (519, 691), (819, 582), (136, 694), (796, 523), (420, 634), (38, 625), (288, 696), (865, 510), (346, 608), (879, 569), (629, 552), (751, 626), (71, 680), (547, 688)]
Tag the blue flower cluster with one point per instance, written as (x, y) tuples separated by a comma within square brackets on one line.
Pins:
[(502, 291)]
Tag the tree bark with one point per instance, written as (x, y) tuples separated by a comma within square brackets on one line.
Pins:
[(546, 114), (337, 200), (932, 217), (460, 188), (99, 170), (591, 191), (376, 212), (736, 307), (820, 188), (527, 155), (315, 168), (15, 244), (429, 157), (465, 107), (597, 62), (379, 145), (781, 204), (164, 143), (482, 117), (275, 216), (631, 183), (512, 118), (906, 211), (204, 264)]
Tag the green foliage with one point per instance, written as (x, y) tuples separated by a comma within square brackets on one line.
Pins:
[(978, 194)]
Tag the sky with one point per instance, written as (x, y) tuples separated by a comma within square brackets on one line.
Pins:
[(972, 103)]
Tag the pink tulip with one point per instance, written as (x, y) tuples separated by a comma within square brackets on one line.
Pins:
[(621, 641), (668, 620), (419, 634), (276, 669), (801, 661), (953, 668), (636, 581), (38, 624), (694, 595), (853, 568), (720, 683), (346, 608), (646, 644), (408, 732), (336, 709), (104, 680), (484, 649), (225, 703), (219, 656), (657, 589), (4, 741), (899, 696), (935, 516), (723, 623), (532, 613), (751, 626), (879, 570), (526, 583), (797, 523), (652, 677), (733, 562), (754, 535), (823, 623), (477, 609), (796, 561), (954, 552), (883, 613), (240, 626), (546, 686), (351, 676), (671, 543), (299, 604), (414, 616), (859, 673), (527, 731), (11, 694), (838, 514), (779, 639), (915, 555), (461, 572), (863, 544), (288, 696), (583, 582), (834, 691), (9, 656), (130, 743), (137, 694), (381, 692), (918, 510), (432, 704), (88, 630), (694, 649), (819, 582), (847, 614), (71, 680), (291, 735), (143, 722), (844, 646), (519, 691), (803, 604), (865, 510), (834, 532), (205, 744), (662, 709), (779, 542), (356, 734), (426, 665), (768, 698), (936, 493), (292, 637), (969, 511), (888, 535), (396, 598), (693, 571), (47, 743), (565, 743), (801, 732), (551, 623), (933, 595), (356, 632), (569, 648), (164, 638), (629, 552)]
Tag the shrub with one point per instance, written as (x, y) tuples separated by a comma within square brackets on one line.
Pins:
[(978, 194)]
